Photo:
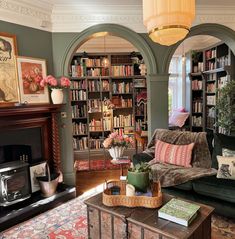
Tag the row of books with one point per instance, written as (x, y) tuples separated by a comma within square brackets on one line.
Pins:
[(210, 54), (126, 102), (79, 128), (123, 120), (78, 95), (223, 61), (94, 85), (210, 65), (197, 106), (107, 124), (122, 87), (212, 77), (94, 105), (96, 143), (78, 71), (122, 70), (78, 84), (222, 81), (210, 88), (211, 99), (197, 85), (97, 72), (92, 62), (95, 125), (197, 121), (80, 143), (79, 111)]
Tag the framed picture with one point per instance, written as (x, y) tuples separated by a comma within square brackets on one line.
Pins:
[(31, 71), (9, 88), (36, 171)]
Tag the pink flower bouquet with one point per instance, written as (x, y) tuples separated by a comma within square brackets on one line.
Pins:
[(53, 83), (114, 139)]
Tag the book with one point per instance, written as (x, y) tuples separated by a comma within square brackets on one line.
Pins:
[(179, 211)]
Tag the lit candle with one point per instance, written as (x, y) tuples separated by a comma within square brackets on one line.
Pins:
[(130, 190)]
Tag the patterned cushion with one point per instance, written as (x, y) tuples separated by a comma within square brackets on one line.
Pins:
[(221, 141), (228, 152), (174, 154), (178, 118), (226, 167)]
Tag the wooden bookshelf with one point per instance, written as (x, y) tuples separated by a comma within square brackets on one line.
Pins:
[(215, 69), (92, 86)]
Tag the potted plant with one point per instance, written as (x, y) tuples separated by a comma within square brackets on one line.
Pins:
[(225, 107), (138, 176)]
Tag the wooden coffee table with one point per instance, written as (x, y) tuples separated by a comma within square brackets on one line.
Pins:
[(141, 223)]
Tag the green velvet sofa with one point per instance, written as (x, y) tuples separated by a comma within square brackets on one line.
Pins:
[(216, 192)]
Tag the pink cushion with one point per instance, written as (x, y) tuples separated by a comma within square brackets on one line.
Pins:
[(180, 155), (178, 118)]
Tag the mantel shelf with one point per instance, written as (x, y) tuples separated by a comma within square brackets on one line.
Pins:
[(13, 110)]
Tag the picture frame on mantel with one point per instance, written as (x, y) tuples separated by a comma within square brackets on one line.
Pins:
[(9, 87), (30, 73)]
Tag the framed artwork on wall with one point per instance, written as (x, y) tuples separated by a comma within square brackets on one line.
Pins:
[(36, 171), (30, 73), (9, 88)]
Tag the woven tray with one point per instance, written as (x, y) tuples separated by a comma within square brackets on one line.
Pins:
[(132, 201)]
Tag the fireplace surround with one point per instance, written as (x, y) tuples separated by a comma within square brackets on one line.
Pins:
[(29, 134)]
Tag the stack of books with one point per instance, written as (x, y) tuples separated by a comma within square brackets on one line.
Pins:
[(179, 211)]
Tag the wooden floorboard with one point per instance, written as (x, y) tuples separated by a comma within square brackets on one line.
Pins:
[(86, 180)]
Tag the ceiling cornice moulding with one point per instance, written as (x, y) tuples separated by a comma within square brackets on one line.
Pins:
[(76, 17)]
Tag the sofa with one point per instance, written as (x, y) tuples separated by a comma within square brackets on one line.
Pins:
[(216, 192)]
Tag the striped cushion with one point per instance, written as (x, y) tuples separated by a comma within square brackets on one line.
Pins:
[(174, 154)]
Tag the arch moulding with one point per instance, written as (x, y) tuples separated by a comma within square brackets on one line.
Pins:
[(116, 30), (223, 33)]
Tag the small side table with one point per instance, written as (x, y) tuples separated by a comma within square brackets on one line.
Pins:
[(142, 139), (124, 162)]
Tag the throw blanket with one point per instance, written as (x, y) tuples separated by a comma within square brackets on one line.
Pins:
[(171, 175)]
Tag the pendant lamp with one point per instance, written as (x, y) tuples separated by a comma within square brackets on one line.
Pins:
[(168, 21), (105, 60)]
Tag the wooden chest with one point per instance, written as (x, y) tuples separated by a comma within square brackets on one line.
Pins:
[(141, 223)]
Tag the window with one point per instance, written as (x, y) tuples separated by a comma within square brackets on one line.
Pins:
[(175, 94)]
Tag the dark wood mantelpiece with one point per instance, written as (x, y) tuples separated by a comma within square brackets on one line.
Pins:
[(29, 109), (43, 116)]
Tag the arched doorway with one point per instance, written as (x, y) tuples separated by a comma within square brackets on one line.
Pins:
[(116, 30), (224, 33)]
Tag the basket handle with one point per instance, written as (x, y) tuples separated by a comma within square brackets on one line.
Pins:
[(48, 172)]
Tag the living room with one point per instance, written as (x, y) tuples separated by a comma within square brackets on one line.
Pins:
[(71, 42)]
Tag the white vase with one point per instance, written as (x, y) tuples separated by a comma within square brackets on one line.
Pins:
[(57, 96), (116, 152)]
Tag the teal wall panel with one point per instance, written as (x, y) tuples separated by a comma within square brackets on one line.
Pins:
[(31, 42)]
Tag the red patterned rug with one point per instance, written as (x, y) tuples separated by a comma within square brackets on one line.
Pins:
[(69, 221)]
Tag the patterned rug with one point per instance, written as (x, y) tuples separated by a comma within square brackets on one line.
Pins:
[(69, 221)]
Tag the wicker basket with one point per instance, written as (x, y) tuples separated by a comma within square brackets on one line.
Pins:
[(132, 201)]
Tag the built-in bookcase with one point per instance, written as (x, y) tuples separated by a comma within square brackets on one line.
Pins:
[(214, 66), (104, 100)]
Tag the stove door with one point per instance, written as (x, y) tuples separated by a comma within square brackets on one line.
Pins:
[(15, 186)]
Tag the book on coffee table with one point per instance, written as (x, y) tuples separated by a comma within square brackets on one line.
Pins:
[(179, 211)]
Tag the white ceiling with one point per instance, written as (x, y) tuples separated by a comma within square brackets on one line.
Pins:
[(77, 15), (112, 44)]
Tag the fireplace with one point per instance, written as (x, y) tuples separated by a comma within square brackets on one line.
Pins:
[(14, 181), (29, 135)]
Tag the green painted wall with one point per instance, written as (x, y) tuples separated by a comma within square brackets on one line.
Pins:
[(31, 42)]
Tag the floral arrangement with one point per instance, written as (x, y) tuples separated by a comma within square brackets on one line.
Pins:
[(53, 83), (117, 140)]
